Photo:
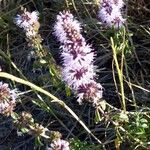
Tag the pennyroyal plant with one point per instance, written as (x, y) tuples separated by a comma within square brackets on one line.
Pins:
[(28, 21), (78, 70)]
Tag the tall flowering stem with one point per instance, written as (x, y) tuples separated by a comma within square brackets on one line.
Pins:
[(110, 13), (28, 21), (78, 70), (26, 124)]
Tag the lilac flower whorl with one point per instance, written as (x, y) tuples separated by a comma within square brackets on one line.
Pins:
[(28, 21), (59, 144), (78, 70), (110, 13), (7, 99)]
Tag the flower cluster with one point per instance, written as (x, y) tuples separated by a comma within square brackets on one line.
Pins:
[(78, 70), (29, 22), (110, 13), (7, 99), (59, 144)]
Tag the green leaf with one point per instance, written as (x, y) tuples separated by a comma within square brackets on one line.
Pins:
[(143, 120), (98, 117), (124, 117), (42, 61), (24, 130), (103, 104), (144, 125), (68, 91), (38, 142), (3, 24)]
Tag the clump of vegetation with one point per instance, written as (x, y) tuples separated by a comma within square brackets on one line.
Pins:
[(47, 67)]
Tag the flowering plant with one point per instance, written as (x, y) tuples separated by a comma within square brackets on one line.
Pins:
[(78, 70)]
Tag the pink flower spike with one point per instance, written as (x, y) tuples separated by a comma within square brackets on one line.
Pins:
[(78, 71)]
